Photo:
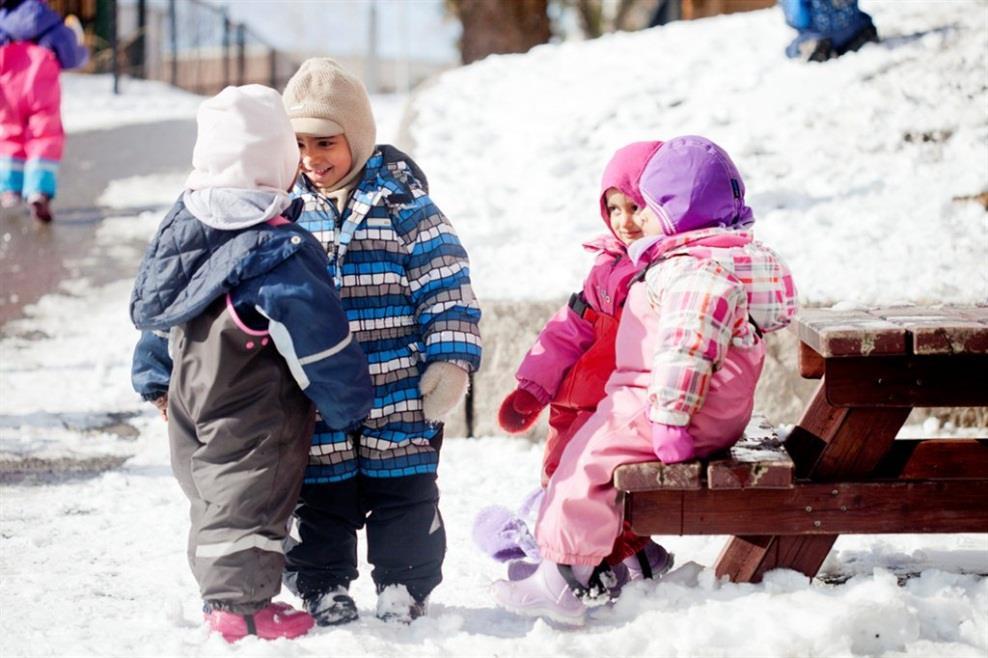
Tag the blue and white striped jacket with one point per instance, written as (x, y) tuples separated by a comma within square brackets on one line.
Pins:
[(404, 281)]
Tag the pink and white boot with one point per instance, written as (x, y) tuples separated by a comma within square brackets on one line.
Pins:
[(269, 623), (556, 591)]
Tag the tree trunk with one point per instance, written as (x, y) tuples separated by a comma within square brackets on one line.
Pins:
[(501, 26)]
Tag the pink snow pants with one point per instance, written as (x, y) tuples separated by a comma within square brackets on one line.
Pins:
[(31, 135), (580, 515)]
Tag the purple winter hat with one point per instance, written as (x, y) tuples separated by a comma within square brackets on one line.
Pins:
[(691, 183)]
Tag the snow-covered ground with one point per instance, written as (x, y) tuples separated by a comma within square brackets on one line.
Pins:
[(88, 102), (851, 166), (95, 565)]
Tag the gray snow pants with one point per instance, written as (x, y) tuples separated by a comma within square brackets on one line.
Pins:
[(239, 428)]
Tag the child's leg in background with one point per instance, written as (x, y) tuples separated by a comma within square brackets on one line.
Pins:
[(44, 138), (327, 517), (406, 536), (14, 67)]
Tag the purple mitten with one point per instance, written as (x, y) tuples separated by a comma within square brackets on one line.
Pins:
[(672, 443), (502, 535)]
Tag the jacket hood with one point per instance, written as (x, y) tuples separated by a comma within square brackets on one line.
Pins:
[(244, 141), (623, 171), (607, 244), (229, 209), (26, 21), (188, 264), (691, 183)]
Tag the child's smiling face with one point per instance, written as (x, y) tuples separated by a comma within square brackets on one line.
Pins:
[(621, 211), (325, 161)]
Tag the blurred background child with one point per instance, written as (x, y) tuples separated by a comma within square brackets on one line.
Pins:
[(35, 45), (826, 28)]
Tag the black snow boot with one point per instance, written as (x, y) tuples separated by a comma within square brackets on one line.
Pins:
[(332, 608)]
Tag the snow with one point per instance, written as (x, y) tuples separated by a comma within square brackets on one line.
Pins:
[(93, 563), (851, 166), (88, 102)]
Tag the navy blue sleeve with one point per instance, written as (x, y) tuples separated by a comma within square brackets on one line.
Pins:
[(310, 330), (152, 367)]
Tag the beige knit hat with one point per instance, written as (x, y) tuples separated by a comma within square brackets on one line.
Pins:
[(324, 100)]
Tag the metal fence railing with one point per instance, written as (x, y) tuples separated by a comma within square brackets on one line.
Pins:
[(194, 45)]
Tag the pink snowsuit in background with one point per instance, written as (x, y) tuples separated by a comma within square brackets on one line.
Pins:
[(30, 119), (35, 45)]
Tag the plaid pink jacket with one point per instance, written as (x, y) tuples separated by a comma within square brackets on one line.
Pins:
[(707, 287)]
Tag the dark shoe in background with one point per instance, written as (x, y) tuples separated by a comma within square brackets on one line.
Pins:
[(333, 608), (819, 50), (40, 208), (867, 34), (396, 604)]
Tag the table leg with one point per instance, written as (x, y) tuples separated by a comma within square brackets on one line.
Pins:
[(828, 444), (746, 559)]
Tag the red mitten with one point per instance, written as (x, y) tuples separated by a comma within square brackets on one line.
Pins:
[(519, 411)]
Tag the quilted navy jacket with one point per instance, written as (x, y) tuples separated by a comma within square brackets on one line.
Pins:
[(274, 275)]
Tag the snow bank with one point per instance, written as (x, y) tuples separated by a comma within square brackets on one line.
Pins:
[(852, 166)]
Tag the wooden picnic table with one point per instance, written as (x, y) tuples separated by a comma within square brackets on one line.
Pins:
[(841, 469)]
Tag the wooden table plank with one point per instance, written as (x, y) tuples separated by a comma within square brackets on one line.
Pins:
[(935, 459), (942, 330), (656, 475), (817, 509), (757, 461), (938, 380), (833, 333)]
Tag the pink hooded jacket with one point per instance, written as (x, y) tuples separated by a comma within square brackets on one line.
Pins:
[(568, 336)]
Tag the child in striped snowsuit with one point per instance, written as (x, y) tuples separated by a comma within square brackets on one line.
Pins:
[(404, 281), (689, 353), (35, 45)]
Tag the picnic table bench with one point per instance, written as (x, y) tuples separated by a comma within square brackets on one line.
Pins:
[(840, 470)]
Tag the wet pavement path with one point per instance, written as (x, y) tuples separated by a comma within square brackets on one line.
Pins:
[(34, 258)]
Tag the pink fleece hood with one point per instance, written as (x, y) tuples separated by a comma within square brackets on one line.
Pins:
[(623, 172)]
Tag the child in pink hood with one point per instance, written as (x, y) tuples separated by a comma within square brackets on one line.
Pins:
[(689, 353), (568, 365)]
